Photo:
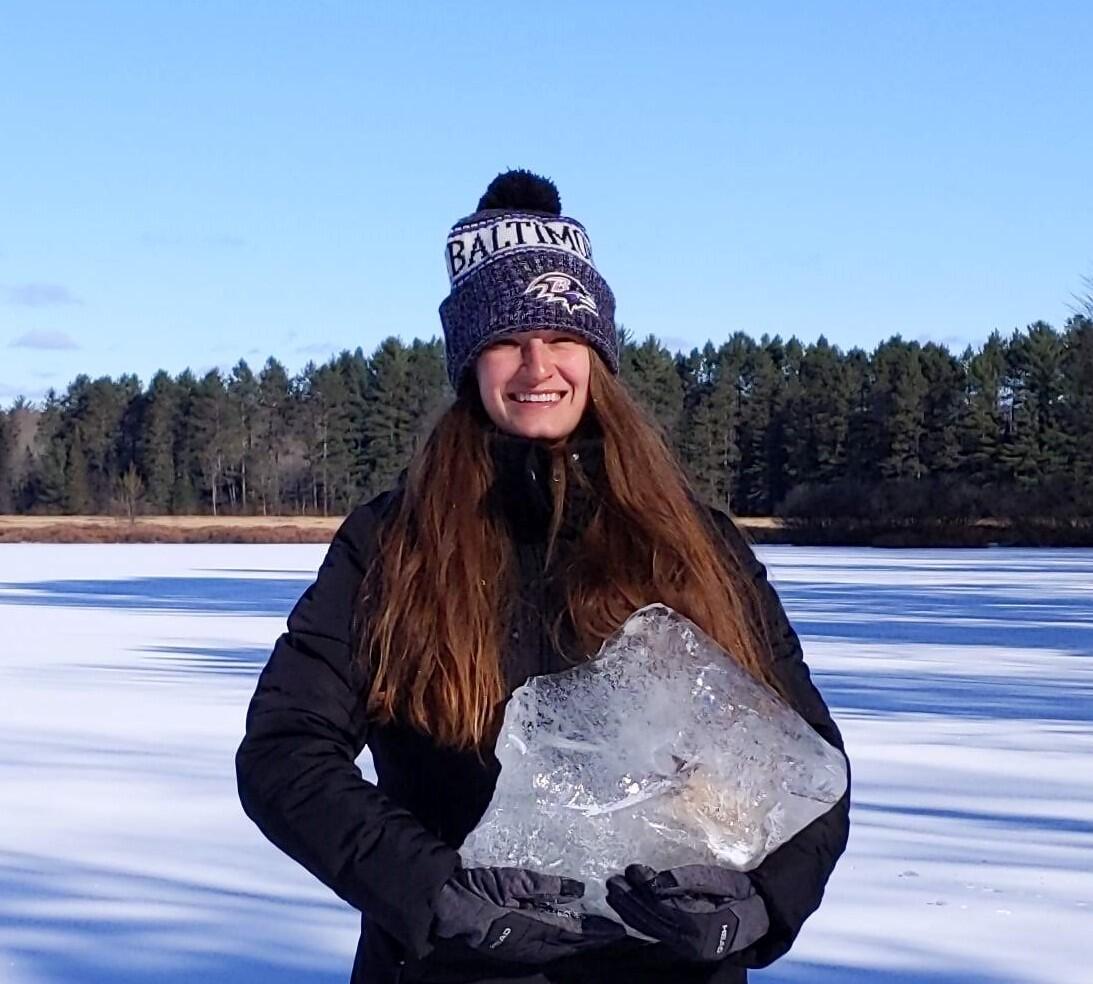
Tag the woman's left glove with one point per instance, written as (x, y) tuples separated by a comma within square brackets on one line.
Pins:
[(519, 915), (702, 912)]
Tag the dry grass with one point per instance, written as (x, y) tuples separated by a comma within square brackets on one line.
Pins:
[(168, 529), (190, 529), (316, 529)]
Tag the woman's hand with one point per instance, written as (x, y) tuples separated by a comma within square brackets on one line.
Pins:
[(702, 912), (519, 915)]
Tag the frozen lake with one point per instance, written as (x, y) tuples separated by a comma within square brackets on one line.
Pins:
[(962, 680)]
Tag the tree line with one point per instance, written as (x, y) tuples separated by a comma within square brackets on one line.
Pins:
[(767, 427)]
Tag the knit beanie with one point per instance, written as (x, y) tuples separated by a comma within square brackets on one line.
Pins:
[(518, 264)]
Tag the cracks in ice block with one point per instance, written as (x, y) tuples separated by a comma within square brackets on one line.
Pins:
[(661, 750)]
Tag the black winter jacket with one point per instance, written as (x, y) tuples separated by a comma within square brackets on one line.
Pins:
[(387, 848)]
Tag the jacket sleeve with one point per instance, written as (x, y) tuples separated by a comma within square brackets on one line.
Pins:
[(296, 771), (791, 879)]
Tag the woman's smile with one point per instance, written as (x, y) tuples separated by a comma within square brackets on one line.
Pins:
[(538, 401)]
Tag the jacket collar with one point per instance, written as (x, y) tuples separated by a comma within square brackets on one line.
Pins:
[(523, 489)]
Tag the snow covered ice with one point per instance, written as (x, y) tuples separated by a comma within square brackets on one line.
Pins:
[(662, 750), (962, 681)]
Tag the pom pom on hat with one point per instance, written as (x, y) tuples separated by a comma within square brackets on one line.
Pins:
[(521, 190)]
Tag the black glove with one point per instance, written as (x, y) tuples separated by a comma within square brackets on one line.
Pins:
[(518, 915), (703, 912)]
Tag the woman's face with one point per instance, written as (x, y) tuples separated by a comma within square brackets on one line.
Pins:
[(552, 365)]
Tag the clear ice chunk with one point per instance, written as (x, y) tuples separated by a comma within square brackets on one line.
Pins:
[(661, 750)]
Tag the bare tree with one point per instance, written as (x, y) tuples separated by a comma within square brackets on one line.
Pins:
[(1084, 300), (130, 491)]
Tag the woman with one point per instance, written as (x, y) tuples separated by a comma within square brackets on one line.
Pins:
[(541, 511)]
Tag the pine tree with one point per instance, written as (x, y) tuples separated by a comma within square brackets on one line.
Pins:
[(758, 478), (942, 405), (44, 468), (699, 427), (7, 461), (430, 389), (28, 496), (785, 358), (214, 433), (980, 422), (21, 423), (274, 431), (324, 432), (389, 425), (818, 412), (1078, 406), (185, 499), (77, 494), (1037, 447), (130, 393), (353, 369), (861, 462), (310, 423), (338, 490), (728, 399), (156, 443), (651, 373), (95, 410), (243, 399), (898, 402)]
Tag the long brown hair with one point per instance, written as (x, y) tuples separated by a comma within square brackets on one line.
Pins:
[(429, 615)]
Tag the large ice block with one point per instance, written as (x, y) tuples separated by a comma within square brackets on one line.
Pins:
[(661, 750)]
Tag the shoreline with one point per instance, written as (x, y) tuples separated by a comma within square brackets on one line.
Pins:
[(761, 530)]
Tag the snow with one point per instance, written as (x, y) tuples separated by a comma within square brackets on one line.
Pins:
[(962, 680)]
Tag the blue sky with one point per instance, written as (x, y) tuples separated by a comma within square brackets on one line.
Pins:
[(185, 184)]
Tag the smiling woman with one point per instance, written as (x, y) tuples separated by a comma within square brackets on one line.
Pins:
[(540, 512), (535, 383)]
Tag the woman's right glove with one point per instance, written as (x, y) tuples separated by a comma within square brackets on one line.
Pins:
[(519, 915), (702, 911)]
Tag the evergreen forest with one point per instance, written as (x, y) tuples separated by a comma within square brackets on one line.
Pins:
[(764, 428)]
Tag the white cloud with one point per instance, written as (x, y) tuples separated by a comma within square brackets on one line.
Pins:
[(41, 338), (41, 295)]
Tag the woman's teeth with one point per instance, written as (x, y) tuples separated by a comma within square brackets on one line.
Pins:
[(537, 397)]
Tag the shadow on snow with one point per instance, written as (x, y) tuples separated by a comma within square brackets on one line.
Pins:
[(66, 921), (205, 595)]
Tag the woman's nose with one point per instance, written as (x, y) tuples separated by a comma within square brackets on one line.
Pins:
[(537, 359)]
